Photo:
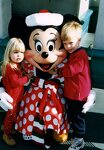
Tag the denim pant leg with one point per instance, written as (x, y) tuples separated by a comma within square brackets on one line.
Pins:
[(77, 118)]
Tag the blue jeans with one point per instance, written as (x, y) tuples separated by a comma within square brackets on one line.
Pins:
[(76, 117)]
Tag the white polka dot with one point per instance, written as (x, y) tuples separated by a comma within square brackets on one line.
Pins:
[(55, 121), (21, 113), (29, 128), (50, 126), (33, 97), (24, 121), (62, 100), (31, 107), (22, 103), (54, 111), (16, 126), (30, 90), (23, 131), (27, 100), (26, 110), (46, 109), (20, 124), (40, 94), (48, 117), (31, 117)]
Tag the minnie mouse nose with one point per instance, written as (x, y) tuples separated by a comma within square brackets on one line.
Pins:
[(44, 54)]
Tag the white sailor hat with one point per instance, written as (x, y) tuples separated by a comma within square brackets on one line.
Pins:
[(44, 19)]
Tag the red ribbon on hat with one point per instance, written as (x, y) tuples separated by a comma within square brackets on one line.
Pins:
[(43, 11)]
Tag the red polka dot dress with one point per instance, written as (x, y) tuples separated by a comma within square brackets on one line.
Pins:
[(42, 108)]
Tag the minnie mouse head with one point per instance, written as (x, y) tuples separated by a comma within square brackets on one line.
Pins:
[(44, 40)]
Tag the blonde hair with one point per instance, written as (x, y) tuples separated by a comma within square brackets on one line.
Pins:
[(12, 45), (71, 29)]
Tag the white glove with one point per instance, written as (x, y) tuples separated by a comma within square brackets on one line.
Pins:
[(5, 100), (90, 101)]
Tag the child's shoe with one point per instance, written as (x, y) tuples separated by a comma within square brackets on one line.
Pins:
[(76, 144), (9, 140)]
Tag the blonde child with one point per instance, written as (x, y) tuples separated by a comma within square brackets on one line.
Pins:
[(77, 83), (13, 81)]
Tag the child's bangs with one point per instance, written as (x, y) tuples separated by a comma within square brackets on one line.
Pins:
[(20, 48)]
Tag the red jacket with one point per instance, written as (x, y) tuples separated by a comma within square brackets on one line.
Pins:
[(76, 72), (13, 82)]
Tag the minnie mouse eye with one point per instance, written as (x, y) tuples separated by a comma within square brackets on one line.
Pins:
[(51, 45), (38, 46)]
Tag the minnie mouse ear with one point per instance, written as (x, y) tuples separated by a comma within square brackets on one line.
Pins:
[(44, 19), (70, 17)]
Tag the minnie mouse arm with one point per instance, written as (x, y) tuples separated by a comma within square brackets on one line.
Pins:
[(90, 101), (5, 99)]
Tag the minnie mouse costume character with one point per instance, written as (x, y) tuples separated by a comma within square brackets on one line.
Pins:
[(42, 109)]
